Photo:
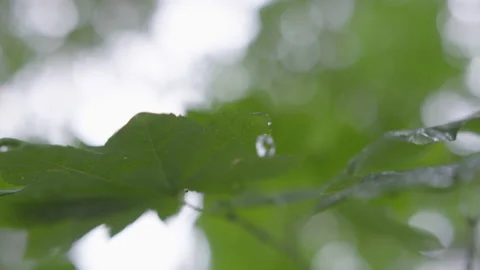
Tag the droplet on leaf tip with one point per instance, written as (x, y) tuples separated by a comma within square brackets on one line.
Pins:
[(265, 146), (267, 117)]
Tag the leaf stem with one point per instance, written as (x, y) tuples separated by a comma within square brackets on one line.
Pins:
[(472, 238)]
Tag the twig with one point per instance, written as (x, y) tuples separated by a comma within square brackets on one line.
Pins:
[(471, 240), (257, 232), (267, 238)]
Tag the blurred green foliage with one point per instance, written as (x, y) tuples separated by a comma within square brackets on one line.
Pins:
[(326, 115)]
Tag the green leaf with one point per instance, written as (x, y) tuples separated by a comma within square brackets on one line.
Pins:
[(378, 222), (358, 181), (353, 182), (146, 164), (395, 147), (437, 177), (164, 142), (226, 147), (8, 189), (65, 182)]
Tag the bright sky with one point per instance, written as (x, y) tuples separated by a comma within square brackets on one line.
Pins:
[(91, 93)]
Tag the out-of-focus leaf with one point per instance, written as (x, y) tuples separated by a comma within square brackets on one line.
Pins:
[(354, 182), (256, 199), (57, 262), (395, 147), (438, 177), (260, 248), (376, 221), (57, 237), (360, 179)]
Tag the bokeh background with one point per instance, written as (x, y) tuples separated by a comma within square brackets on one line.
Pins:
[(332, 74)]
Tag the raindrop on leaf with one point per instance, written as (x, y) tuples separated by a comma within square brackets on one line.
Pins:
[(265, 146)]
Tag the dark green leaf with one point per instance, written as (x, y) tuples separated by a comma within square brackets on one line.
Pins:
[(146, 164)]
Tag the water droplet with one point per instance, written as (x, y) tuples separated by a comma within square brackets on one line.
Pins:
[(3, 148), (265, 146), (423, 136)]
